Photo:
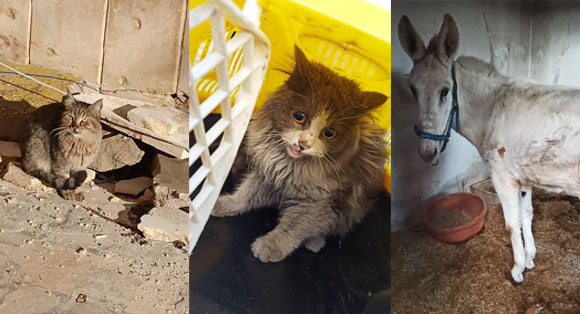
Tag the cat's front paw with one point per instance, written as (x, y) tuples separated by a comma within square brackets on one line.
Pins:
[(225, 206), (270, 248), (71, 195)]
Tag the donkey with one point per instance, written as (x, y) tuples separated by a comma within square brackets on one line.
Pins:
[(528, 134)]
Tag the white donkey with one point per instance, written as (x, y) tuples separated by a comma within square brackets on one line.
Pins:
[(528, 134)]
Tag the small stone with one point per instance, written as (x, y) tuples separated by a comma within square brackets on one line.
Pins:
[(114, 199), (178, 244), (133, 186), (165, 224), (91, 174), (81, 298), (117, 151)]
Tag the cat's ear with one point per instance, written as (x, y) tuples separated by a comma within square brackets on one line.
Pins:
[(96, 107), (68, 100), (302, 62), (373, 100)]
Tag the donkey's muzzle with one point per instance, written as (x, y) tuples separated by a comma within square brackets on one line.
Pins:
[(428, 152)]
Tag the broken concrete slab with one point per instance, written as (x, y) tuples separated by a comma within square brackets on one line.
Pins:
[(9, 149), (176, 145), (147, 197), (165, 224), (169, 182), (133, 186), (17, 176), (117, 151), (155, 119)]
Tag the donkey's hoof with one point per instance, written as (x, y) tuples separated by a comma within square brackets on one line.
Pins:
[(517, 276), (530, 264)]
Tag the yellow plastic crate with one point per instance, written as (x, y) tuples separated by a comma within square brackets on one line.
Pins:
[(350, 37)]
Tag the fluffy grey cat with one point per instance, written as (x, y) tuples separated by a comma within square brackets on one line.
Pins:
[(314, 151), (59, 142)]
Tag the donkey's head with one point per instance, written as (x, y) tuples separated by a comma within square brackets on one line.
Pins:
[(431, 81)]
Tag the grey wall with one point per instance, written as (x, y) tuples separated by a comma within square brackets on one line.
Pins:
[(539, 41)]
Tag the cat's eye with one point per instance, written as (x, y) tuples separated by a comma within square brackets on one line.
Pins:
[(329, 133), (299, 116), (443, 93)]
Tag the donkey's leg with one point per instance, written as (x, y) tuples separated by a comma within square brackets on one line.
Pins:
[(508, 191), (527, 213)]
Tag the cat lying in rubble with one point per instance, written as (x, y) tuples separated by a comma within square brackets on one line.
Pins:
[(60, 140)]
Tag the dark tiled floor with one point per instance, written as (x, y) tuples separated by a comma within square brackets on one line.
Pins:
[(347, 276)]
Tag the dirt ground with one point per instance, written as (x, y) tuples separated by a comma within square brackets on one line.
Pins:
[(58, 256), (473, 277)]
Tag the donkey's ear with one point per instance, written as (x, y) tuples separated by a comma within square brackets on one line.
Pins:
[(373, 100), (410, 40), (448, 38), (68, 100)]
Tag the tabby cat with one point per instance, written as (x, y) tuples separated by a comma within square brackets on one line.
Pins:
[(59, 142), (314, 151)]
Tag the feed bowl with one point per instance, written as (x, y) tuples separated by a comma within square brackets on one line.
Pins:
[(455, 217)]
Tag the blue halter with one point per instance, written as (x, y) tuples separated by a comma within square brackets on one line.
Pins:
[(453, 115)]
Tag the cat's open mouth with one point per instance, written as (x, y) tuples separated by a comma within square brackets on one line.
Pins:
[(294, 152)]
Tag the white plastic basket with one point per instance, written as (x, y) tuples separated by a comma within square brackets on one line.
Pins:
[(234, 119)]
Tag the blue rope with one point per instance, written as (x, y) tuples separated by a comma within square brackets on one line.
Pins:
[(453, 115), (55, 78)]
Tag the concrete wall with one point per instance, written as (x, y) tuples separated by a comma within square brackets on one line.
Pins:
[(135, 45), (497, 32)]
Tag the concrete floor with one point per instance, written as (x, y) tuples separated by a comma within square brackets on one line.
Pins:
[(58, 256)]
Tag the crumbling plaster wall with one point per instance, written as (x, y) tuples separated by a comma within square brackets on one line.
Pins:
[(540, 41), (136, 45)]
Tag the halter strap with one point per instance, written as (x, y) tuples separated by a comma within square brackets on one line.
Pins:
[(453, 115)]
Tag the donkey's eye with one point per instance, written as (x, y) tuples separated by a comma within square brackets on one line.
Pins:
[(329, 133), (444, 93), (299, 116), (414, 91)]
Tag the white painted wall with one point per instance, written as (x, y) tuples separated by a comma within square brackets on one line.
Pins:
[(555, 53), (498, 32)]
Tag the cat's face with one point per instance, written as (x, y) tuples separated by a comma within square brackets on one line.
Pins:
[(316, 113), (308, 131), (80, 120)]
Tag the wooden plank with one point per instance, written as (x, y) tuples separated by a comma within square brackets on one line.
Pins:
[(14, 31), (66, 36), (143, 45), (183, 79)]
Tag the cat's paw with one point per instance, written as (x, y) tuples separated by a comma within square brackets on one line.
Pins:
[(71, 195), (270, 248), (224, 207), (76, 180), (315, 244)]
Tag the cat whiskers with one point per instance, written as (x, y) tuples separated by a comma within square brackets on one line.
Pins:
[(59, 131), (336, 167), (323, 170)]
